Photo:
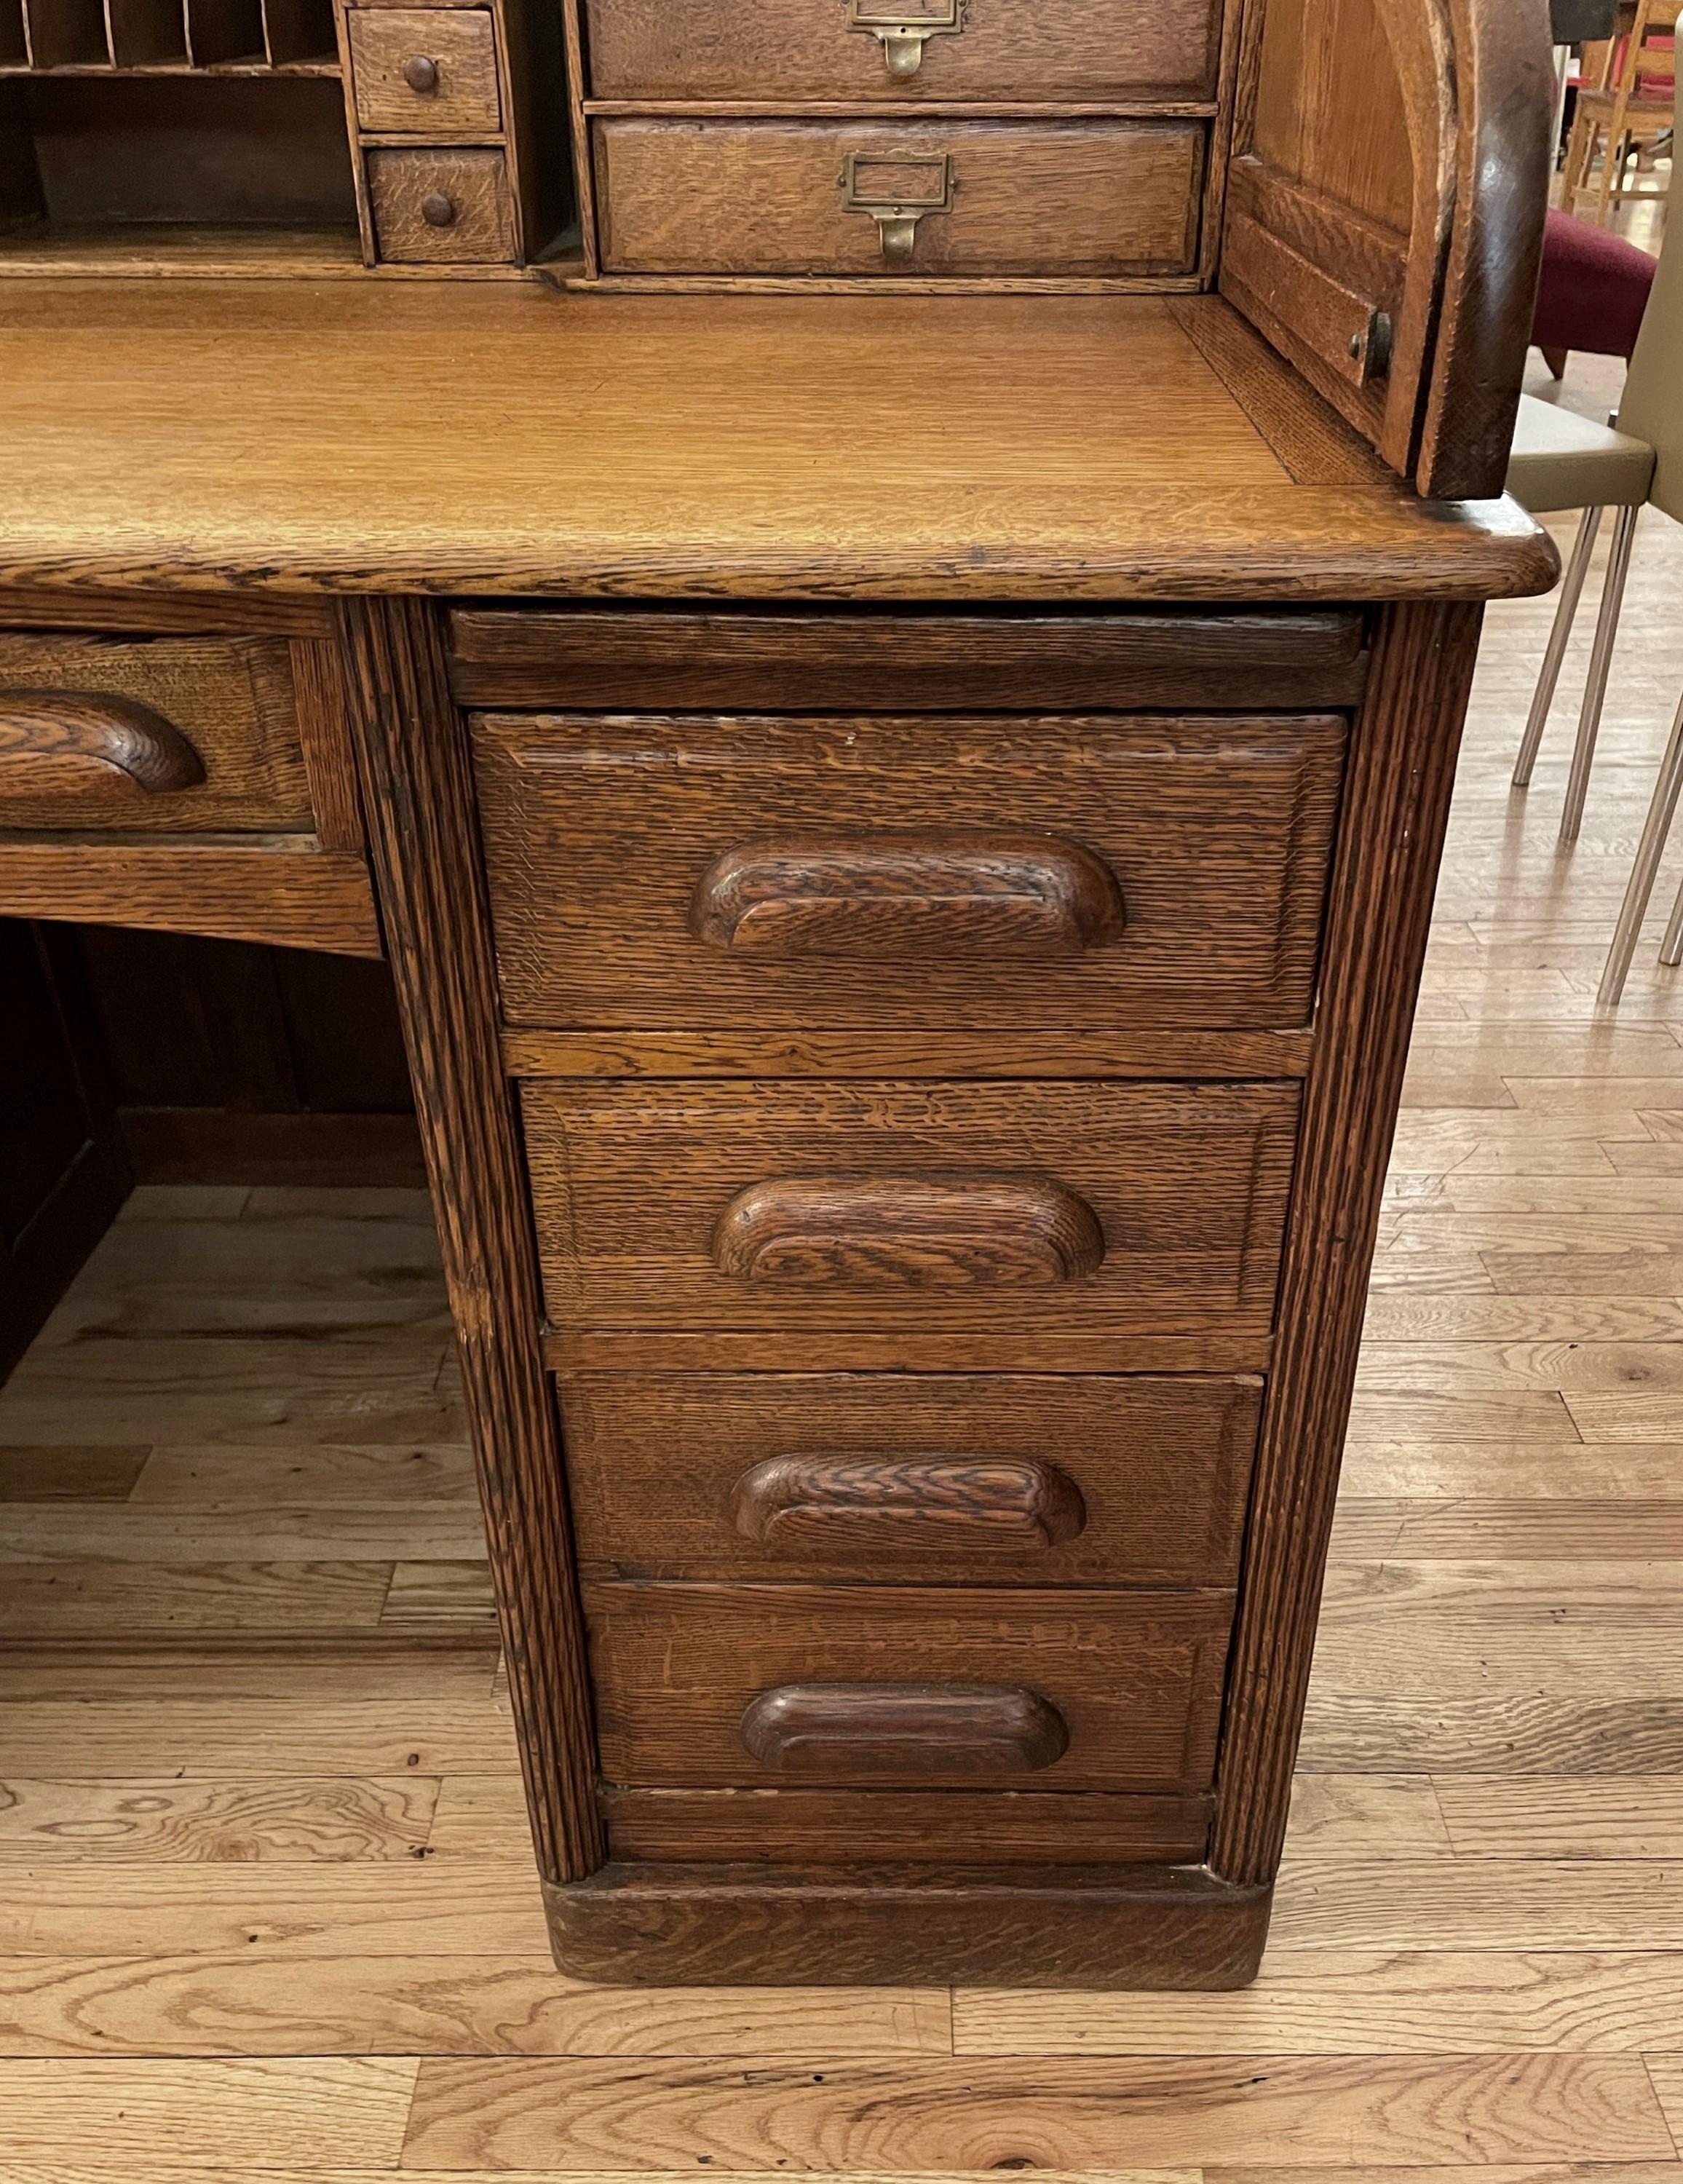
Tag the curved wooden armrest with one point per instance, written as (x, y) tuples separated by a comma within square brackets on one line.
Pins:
[(89, 746)]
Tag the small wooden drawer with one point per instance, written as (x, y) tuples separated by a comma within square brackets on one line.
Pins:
[(997, 198), (712, 1686), (1074, 50), (1114, 1209), (424, 72), (1053, 1479), (441, 206), (980, 872), (165, 734)]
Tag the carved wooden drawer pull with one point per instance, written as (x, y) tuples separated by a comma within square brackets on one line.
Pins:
[(907, 1730), (909, 1232), (914, 896), (937, 1505), (89, 746)]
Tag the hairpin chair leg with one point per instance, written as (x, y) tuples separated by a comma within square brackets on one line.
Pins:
[(1601, 661), (1634, 908), (1571, 591), (1671, 948)]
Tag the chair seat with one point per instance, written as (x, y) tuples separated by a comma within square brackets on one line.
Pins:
[(1562, 461)]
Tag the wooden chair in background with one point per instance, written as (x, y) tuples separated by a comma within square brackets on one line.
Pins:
[(1626, 107)]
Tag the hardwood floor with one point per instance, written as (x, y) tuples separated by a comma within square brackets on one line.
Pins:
[(266, 1908)]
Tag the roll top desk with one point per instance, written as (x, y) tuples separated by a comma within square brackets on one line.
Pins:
[(881, 650)]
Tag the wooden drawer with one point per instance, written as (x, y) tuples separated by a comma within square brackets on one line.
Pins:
[(1053, 1479), (712, 1686), (424, 72), (989, 873), (1088, 198), (1079, 50), (769, 661), (1111, 1208), (441, 206), (168, 734)]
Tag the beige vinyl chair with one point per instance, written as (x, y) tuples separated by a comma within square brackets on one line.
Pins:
[(1560, 460)]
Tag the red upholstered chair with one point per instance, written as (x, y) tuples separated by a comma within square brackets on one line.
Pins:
[(1593, 292)]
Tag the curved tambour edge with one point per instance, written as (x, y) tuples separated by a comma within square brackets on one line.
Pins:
[(845, 1731), (916, 1232), (89, 746), (912, 895), (804, 1505)]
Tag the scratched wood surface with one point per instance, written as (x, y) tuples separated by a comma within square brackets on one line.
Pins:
[(266, 1903)]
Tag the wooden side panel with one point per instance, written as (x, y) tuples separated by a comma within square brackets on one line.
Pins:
[(418, 792), (1396, 811)]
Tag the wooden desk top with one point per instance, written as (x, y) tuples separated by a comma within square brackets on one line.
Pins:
[(505, 438)]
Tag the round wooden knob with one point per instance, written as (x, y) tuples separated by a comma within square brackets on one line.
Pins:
[(420, 73), (437, 209)]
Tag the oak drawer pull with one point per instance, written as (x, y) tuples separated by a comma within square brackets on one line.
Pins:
[(90, 745), (909, 1232), (903, 35), (908, 1729), (420, 73), (919, 895), (804, 1505)]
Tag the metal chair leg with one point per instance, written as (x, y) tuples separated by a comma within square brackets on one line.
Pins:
[(1601, 661), (1671, 948), (1634, 908), (1565, 613)]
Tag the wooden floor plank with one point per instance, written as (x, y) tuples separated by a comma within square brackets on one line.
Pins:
[(70, 1473), (1563, 1816), (213, 1738), (130, 1532), (100, 1597), (258, 2000), (1495, 1732), (1083, 2114), (281, 1820), (325, 1476), (1482, 1903)]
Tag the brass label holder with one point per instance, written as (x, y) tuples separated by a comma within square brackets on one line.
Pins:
[(903, 36), (896, 217)]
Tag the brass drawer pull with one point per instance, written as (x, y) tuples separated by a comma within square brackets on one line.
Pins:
[(909, 1232), (918, 896), (90, 744), (862, 1731), (903, 36), (897, 189), (964, 1505)]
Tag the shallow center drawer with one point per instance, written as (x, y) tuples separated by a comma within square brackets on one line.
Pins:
[(1048, 1479), (1005, 1208), (172, 734), (1074, 49), (711, 1686), (986, 872), (1011, 198)]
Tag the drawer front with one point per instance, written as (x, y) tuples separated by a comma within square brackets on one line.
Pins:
[(1009, 1208), (424, 72), (175, 735), (714, 1686), (1051, 1479), (1079, 199), (980, 873), (906, 1827), (1070, 49), (629, 659), (438, 206)]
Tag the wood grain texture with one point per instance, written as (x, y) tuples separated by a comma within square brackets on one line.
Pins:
[(418, 795), (167, 613), (1071, 49), (935, 1731), (1136, 1675), (829, 1827), (392, 51), (1396, 807), (667, 1471), (283, 891), (1072, 1349), (229, 698), (283, 437), (907, 1054), (441, 205), (324, 733), (1085, 2114), (1187, 1184), (83, 750), (639, 661), (283, 1821), (1091, 198), (603, 836)]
